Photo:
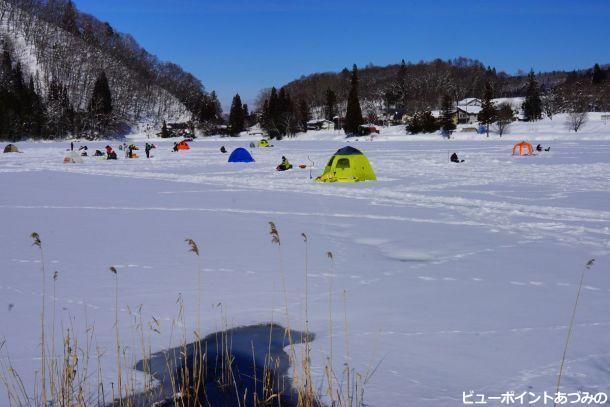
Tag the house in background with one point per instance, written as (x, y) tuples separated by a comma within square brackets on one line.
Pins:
[(470, 102), (468, 114), (256, 130), (468, 110), (320, 124), (454, 115), (395, 116)]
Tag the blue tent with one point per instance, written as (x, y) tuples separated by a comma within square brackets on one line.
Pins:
[(240, 155)]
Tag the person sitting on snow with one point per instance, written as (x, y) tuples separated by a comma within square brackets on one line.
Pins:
[(538, 147), (454, 158), (223, 149), (285, 165), (130, 151)]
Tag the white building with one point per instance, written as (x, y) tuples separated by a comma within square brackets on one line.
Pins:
[(320, 124)]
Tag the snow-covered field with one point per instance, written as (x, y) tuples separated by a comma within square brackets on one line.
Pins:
[(456, 277)]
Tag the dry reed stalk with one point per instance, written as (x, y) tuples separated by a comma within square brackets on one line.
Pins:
[(113, 270), (198, 357), (43, 362), (329, 370), (53, 338), (275, 239), (587, 266), (307, 394)]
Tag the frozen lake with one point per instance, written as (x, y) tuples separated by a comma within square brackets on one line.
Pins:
[(456, 277)]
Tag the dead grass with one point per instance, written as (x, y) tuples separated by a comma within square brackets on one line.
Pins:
[(75, 377)]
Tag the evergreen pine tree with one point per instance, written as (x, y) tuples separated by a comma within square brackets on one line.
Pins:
[(272, 115), (6, 71), (598, 75), (246, 115), (400, 91), (36, 107), (487, 115), (414, 125), (20, 103), (286, 121), (304, 114), (447, 113), (164, 131), (264, 119), (353, 115), (60, 112), (205, 113), (532, 106), (422, 122), (210, 111), (101, 99), (428, 122), (236, 116), (216, 107), (330, 106), (69, 17), (100, 106)]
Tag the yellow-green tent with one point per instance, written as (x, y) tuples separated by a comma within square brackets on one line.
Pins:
[(347, 165), (263, 143)]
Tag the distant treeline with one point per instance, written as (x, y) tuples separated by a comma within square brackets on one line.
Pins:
[(417, 87)]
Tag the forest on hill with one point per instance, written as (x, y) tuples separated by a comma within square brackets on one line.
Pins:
[(52, 57), (420, 86)]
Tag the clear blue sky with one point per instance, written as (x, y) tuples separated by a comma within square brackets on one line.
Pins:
[(246, 45)]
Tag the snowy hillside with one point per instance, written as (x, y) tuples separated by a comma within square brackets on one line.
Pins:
[(48, 52), (447, 278)]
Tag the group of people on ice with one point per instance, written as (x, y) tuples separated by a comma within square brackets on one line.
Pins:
[(110, 154), (455, 159)]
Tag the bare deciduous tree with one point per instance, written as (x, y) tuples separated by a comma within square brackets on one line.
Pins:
[(504, 117), (578, 105), (577, 119), (551, 104)]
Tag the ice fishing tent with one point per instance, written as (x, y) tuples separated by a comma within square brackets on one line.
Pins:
[(348, 164), (183, 145), (11, 148), (240, 155), (72, 157), (263, 143), (523, 148)]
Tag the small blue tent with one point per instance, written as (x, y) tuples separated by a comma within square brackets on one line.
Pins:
[(240, 155)]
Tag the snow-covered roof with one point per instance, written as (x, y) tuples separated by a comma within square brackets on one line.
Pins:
[(469, 102), (317, 121), (515, 102), (472, 109)]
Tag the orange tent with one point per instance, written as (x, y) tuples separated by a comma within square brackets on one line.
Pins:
[(523, 148), (183, 145)]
